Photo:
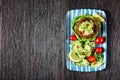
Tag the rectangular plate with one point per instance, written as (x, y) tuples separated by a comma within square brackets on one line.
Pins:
[(103, 32)]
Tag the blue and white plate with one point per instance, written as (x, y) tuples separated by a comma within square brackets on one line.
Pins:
[(103, 32)]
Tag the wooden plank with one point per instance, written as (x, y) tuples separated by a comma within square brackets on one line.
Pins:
[(49, 39), (0, 31), (18, 60)]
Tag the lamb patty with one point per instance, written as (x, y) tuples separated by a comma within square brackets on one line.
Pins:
[(81, 34)]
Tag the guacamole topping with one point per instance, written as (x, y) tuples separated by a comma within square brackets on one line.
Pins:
[(86, 27)]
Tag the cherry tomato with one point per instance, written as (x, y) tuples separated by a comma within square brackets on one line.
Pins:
[(99, 40), (91, 58), (98, 50), (72, 37)]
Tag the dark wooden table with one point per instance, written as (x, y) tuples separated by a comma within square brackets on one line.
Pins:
[(32, 39)]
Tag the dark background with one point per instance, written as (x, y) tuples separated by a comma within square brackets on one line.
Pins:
[(32, 39)]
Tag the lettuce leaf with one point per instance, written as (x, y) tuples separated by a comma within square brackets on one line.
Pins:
[(84, 62), (98, 57)]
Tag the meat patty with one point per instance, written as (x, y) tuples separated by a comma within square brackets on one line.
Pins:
[(81, 34)]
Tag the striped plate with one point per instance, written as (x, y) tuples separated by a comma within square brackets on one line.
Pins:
[(103, 32)]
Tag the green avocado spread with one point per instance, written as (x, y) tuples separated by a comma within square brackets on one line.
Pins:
[(86, 27)]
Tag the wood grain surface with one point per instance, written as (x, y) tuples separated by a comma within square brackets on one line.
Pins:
[(32, 39)]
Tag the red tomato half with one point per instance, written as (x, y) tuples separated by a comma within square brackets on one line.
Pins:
[(99, 40), (98, 50), (91, 58), (72, 37)]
